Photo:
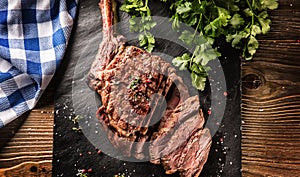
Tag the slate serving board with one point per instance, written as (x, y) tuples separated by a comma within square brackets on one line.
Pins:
[(73, 151)]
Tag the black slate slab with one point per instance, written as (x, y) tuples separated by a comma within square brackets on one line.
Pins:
[(73, 151)]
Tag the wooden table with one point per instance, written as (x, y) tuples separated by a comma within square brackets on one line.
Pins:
[(271, 99), (270, 111)]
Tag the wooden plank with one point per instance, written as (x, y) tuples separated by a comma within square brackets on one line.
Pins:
[(270, 111), (271, 99), (29, 168), (27, 143)]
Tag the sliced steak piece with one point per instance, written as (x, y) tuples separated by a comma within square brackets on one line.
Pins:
[(195, 154), (189, 158), (175, 128)]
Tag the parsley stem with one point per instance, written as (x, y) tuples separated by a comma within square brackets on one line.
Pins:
[(249, 4), (148, 10), (197, 27), (252, 13), (193, 56)]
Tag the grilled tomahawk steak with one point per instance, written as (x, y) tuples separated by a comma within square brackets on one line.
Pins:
[(144, 101)]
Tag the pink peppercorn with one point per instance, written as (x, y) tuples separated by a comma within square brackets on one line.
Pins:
[(225, 93), (209, 112)]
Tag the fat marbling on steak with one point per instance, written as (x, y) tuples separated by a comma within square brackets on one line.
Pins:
[(144, 101)]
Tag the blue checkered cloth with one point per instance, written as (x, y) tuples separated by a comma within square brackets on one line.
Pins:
[(33, 40)]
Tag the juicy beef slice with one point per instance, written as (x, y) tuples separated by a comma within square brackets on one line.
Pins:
[(165, 105), (195, 154), (182, 133), (176, 123), (191, 156), (192, 145)]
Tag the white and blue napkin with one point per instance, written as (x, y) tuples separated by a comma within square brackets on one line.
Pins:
[(33, 39)]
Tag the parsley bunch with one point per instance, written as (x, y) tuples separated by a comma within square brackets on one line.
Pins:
[(137, 8), (240, 21)]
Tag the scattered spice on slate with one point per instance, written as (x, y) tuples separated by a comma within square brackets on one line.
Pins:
[(75, 119), (209, 112), (77, 129), (225, 93), (82, 173), (99, 152)]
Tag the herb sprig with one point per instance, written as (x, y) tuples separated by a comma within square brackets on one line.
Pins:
[(138, 8), (134, 84), (240, 21)]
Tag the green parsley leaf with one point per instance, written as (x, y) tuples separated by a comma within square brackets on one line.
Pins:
[(197, 81), (175, 23), (143, 39), (183, 8), (264, 22), (270, 4), (182, 61), (187, 37), (200, 39), (248, 12), (255, 30), (236, 21), (208, 55), (252, 45)]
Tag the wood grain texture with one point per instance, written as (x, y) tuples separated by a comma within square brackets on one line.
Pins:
[(26, 144), (271, 99)]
